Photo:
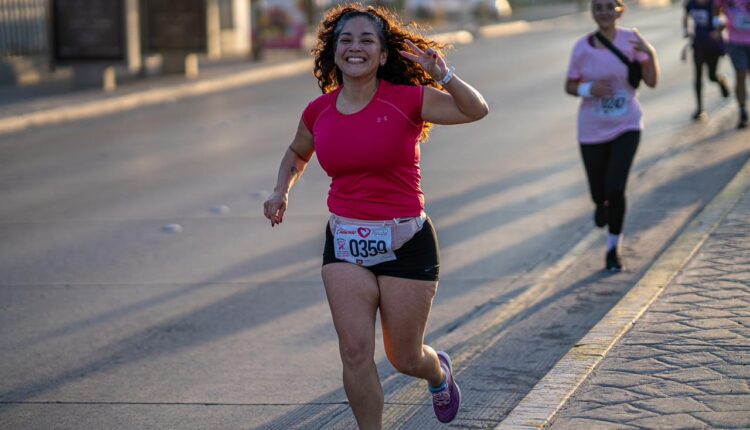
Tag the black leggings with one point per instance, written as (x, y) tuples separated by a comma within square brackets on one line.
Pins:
[(607, 168), (709, 57)]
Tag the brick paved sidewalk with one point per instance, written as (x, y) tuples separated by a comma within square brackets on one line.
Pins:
[(686, 362)]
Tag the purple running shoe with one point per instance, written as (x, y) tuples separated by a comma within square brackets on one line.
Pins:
[(446, 399)]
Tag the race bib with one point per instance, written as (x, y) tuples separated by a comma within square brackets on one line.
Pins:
[(365, 245), (700, 17), (611, 107), (742, 22)]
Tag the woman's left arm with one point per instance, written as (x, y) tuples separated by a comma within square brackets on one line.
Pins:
[(459, 103), (650, 67)]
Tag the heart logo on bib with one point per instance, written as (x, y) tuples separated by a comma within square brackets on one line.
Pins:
[(364, 232)]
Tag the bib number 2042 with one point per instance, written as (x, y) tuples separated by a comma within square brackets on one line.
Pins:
[(613, 106)]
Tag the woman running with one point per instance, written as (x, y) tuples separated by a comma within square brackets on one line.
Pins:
[(708, 47), (382, 85), (737, 22), (609, 117)]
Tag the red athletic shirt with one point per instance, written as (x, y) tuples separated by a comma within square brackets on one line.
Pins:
[(372, 156)]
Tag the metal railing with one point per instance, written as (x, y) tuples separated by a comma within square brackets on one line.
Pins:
[(23, 27)]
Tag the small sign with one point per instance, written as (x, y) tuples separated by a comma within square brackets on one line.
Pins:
[(176, 25), (88, 30)]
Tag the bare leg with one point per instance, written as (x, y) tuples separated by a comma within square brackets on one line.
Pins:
[(404, 308), (353, 298)]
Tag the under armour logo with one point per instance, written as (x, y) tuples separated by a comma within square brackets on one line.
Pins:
[(382, 119)]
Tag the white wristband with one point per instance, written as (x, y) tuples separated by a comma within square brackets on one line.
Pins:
[(584, 89), (448, 76)]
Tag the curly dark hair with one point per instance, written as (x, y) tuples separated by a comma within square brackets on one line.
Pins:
[(392, 33)]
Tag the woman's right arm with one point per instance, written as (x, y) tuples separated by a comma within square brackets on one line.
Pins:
[(571, 86), (602, 89), (292, 166)]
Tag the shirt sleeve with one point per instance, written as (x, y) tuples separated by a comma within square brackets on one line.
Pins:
[(575, 65), (407, 99), (308, 117), (312, 111), (415, 108), (641, 57)]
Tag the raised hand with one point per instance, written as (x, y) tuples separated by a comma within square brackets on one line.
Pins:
[(430, 60), (641, 45)]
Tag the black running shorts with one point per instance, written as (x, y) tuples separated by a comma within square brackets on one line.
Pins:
[(418, 259)]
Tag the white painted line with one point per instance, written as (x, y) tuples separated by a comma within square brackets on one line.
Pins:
[(550, 394)]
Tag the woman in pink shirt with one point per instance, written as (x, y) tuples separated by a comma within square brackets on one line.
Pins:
[(609, 117), (737, 13), (382, 87)]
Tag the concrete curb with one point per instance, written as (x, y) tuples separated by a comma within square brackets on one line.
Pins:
[(549, 395)]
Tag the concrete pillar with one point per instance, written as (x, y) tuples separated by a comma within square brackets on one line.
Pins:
[(256, 45), (191, 66), (134, 60), (109, 79), (242, 26), (213, 29)]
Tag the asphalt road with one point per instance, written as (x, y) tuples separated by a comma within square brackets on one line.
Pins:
[(112, 318)]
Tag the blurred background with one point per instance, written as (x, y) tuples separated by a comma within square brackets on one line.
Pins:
[(142, 288), (87, 42)]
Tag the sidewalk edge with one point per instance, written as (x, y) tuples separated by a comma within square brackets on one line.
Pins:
[(551, 393), (95, 108)]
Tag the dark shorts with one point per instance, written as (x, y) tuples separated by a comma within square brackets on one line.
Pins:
[(418, 259), (740, 55)]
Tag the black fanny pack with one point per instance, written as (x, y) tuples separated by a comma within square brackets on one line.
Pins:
[(635, 73)]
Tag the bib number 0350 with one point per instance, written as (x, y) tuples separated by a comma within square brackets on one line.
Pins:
[(363, 245)]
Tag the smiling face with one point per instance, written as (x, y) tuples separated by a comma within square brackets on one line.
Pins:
[(606, 12), (359, 51)]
